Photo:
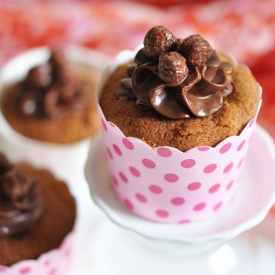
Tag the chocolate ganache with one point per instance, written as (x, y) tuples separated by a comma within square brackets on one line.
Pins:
[(51, 90), (178, 78), (20, 200)]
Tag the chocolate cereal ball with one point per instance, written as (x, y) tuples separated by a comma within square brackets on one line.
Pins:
[(157, 41), (172, 67), (196, 50)]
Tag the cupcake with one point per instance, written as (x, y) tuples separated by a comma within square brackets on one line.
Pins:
[(48, 111), (37, 215), (55, 102), (176, 119)]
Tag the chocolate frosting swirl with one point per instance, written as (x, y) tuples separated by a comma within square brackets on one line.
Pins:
[(20, 200), (200, 93), (51, 89)]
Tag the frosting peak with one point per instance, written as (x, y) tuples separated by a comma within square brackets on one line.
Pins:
[(187, 79), (20, 200), (51, 89)]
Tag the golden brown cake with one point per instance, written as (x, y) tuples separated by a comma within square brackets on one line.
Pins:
[(134, 115), (55, 103), (42, 212)]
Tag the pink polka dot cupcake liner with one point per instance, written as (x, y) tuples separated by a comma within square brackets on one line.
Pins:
[(54, 262), (166, 185)]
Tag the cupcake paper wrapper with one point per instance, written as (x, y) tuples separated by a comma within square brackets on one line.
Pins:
[(54, 262), (166, 185)]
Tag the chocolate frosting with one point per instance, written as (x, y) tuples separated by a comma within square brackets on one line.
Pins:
[(200, 93), (51, 90), (20, 200)]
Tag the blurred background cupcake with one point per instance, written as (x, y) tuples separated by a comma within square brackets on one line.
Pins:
[(48, 107), (37, 216), (55, 102)]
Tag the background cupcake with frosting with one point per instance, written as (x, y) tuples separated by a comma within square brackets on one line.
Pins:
[(48, 107), (33, 203), (176, 120), (55, 102)]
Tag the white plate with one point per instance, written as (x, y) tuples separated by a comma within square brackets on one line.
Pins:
[(253, 199)]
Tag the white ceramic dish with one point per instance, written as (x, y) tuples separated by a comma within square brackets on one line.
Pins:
[(250, 205), (64, 160)]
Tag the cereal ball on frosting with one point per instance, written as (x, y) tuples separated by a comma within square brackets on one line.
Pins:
[(172, 67), (196, 50), (40, 76), (157, 41)]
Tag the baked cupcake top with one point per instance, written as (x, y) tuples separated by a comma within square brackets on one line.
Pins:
[(199, 101)]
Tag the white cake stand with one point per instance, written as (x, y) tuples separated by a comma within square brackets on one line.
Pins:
[(250, 205)]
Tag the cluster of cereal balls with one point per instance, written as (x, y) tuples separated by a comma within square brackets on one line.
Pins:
[(175, 55)]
